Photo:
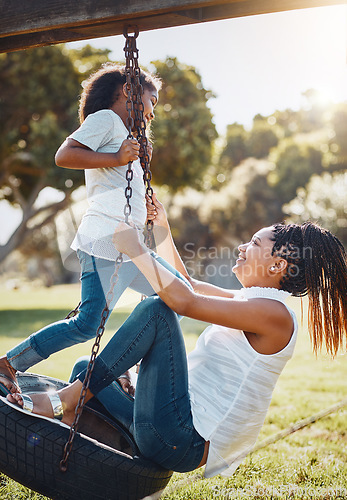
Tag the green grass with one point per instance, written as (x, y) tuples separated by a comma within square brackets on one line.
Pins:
[(310, 464)]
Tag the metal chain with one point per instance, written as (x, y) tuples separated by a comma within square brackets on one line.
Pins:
[(74, 312), (133, 88), (140, 125)]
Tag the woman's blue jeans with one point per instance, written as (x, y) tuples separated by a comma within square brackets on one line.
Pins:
[(159, 417), (95, 283)]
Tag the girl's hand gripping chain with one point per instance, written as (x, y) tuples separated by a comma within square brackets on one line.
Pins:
[(129, 151)]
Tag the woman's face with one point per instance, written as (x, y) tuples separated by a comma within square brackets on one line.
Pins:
[(255, 263)]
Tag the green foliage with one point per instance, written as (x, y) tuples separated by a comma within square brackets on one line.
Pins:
[(295, 163), (300, 148), (235, 149), (87, 59), (183, 130), (39, 92), (242, 144), (233, 213), (338, 141), (261, 139), (246, 203), (324, 201), (38, 87)]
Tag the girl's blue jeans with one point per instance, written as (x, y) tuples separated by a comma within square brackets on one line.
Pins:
[(159, 417), (95, 283)]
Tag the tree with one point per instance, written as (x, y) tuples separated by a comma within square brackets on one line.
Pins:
[(295, 163), (261, 138), (338, 141), (183, 130), (229, 215), (242, 206), (323, 201), (235, 149), (39, 90)]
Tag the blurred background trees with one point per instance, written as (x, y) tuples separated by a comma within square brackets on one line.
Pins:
[(290, 165), (39, 91), (183, 131)]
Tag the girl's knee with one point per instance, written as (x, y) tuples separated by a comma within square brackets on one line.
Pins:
[(80, 365), (86, 325)]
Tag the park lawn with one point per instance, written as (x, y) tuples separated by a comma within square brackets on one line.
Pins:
[(310, 464)]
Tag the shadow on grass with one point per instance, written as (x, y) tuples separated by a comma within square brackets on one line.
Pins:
[(22, 323)]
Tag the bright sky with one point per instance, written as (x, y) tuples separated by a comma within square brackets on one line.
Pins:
[(255, 64)]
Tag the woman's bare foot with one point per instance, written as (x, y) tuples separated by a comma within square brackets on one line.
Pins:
[(41, 406), (8, 375), (69, 397)]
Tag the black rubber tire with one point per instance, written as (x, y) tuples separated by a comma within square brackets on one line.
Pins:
[(31, 449)]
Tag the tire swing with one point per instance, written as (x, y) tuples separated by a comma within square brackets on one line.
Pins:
[(104, 462)]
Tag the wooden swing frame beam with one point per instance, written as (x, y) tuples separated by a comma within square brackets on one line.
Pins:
[(34, 23)]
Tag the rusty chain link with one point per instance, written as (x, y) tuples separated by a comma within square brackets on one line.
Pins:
[(74, 312), (135, 121)]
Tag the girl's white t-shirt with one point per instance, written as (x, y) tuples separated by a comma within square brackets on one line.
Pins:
[(230, 387), (104, 132)]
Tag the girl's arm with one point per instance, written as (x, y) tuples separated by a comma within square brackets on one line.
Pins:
[(166, 248), (259, 316), (72, 154)]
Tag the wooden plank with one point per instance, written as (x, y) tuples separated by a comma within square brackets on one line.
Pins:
[(25, 24), (23, 16)]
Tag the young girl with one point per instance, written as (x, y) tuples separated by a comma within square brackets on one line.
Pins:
[(101, 148), (211, 409)]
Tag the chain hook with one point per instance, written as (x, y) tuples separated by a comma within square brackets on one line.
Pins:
[(131, 29)]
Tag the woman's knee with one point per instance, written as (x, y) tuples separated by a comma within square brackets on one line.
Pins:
[(155, 304)]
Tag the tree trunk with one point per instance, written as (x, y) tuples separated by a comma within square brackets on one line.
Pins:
[(23, 229)]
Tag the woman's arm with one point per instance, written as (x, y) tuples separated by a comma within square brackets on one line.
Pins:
[(72, 154), (166, 248), (165, 245), (204, 288), (259, 316)]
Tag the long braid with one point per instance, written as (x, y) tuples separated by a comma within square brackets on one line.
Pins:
[(326, 279), (317, 268)]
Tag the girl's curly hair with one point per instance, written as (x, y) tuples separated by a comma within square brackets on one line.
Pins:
[(102, 89)]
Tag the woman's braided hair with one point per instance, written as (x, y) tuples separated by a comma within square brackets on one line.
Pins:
[(317, 268), (101, 90)]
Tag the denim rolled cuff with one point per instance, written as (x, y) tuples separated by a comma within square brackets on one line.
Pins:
[(23, 356)]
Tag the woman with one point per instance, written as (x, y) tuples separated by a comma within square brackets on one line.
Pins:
[(211, 409)]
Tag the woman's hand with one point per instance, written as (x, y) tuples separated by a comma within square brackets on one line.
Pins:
[(126, 383), (149, 150), (126, 239), (156, 211)]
